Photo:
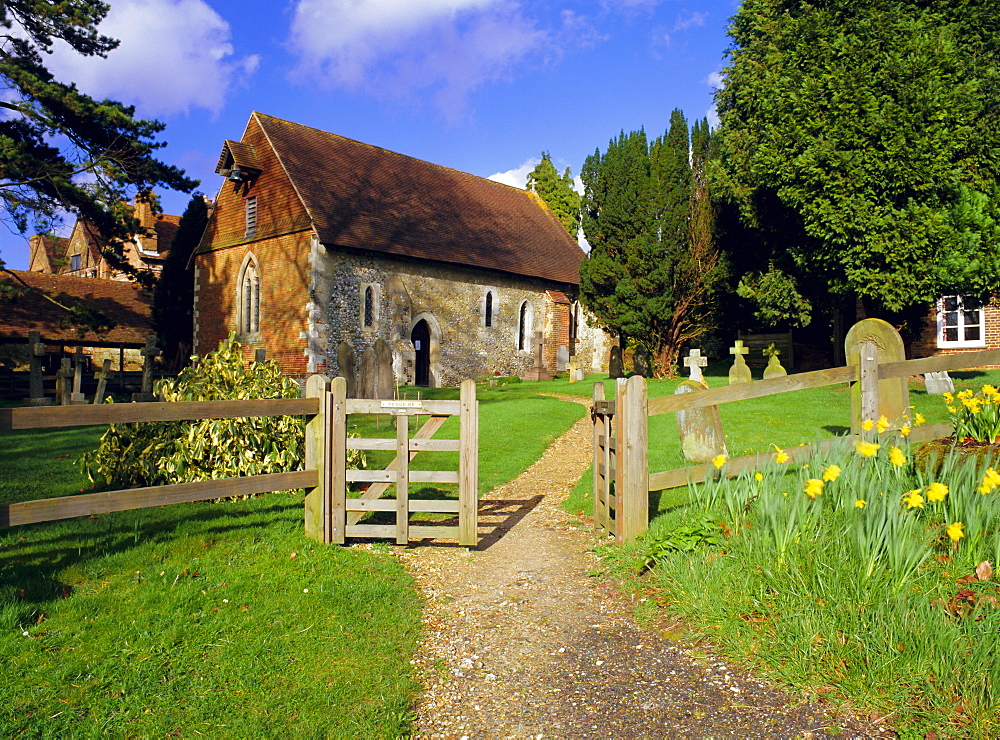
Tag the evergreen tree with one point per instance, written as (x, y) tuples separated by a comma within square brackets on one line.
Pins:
[(173, 298), (557, 192), (648, 218), (862, 137), (51, 134)]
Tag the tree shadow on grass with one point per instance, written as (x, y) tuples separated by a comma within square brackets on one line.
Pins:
[(836, 429)]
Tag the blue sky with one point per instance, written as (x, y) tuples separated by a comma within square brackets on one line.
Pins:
[(483, 86)]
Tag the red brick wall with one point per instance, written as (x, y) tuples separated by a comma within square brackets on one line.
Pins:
[(556, 328)]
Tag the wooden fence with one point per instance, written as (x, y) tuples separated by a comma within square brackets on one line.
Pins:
[(622, 481), (325, 407)]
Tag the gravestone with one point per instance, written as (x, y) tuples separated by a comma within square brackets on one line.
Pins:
[(102, 375), (740, 371), (76, 397), (562, 357), (616, 368), (938, 383), (260, 355), (367, 374), (347, 368), (538, 371), (63, 381), (575, 369), (642, 362), (774, 368), (893, 393), (36, 380), (383, 370), (149, 353), (700, 429), (695, 362)]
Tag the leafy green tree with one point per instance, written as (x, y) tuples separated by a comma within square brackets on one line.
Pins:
[(61, 150), (557, 191), (173, 298), (648, 217), (875, 126)]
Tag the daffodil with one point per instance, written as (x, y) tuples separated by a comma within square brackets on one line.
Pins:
[(882, 424), (965, 394), (991, 480), (948, 396), (831, 473), (905, 430), (989, 390), (860, 504), (914, 500), (956, 531), (780, 456), (936, 492), (867, 425), (718, 461), (866, 449), (758, 476), (918, 419), (896, 457), (814, 487)]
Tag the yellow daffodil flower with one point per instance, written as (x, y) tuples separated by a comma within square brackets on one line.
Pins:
[(718, 461), (905, 430), (956, 531), (758, 476), (882, 424), (780, 456), (936, 492), (965, 394), (860, 504), (831, 473), (867, 425), (918, 419), (896, 457), (990, 481), (814, 487), (948, 397), (866, 449), (914, 500)]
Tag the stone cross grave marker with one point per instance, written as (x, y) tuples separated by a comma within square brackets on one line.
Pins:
[(938, 383), (616, 368), (149, 352), (538, 371), (695, 362), (893, 393), (572, 368), (102, 375), (740, 371), (774, 368), (76, 397), (63, 375), (36, 380), (700, 429), (642, 362)]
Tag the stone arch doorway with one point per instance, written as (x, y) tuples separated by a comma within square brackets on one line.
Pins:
[(420, 335)]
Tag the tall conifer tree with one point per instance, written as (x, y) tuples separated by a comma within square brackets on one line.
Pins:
[(557, 192)]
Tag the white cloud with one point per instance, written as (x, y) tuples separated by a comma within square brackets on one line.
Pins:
[(715, 80), (692, 21), (517, 177), (402, 49), (174, 55)]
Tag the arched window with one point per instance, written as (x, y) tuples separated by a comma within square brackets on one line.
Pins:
[(524, 327), (249, 296), (369, 306), (488, 311)]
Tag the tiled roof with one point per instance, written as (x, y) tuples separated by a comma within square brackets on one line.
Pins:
[(55, 248), (243, 155), (125, 303), (363, 197)]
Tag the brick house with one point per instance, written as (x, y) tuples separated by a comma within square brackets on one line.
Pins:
[(333, 254), (952, 327)]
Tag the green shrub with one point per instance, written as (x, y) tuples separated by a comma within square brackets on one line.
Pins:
[(159, 453)]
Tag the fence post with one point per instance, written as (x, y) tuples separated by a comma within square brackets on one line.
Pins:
[(868, 378), (317, 443), (633, 446), (600, 428), (337, 469), (468, 465), (619, 454), (402, 479)]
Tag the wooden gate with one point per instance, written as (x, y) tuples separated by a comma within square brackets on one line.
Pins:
[(331, 516)]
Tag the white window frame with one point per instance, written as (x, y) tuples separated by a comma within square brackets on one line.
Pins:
[(960, 324)]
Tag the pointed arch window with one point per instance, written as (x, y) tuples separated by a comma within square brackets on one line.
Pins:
[(524, 318), (370, 296), (488, 311), (249, 297), (369, 307)]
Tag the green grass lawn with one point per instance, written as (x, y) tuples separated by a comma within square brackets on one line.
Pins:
[(198, 618)]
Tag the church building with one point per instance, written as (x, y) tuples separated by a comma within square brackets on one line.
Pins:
[(342, 258)]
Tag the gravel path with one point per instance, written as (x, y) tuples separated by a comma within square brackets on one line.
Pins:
[(521, 642)]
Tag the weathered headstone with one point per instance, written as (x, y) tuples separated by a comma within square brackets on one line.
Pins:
[(76, 397), (102, 375), (695, 362), (36, 380), (575, 369), (701, 432), (64, 382), (562, 357), (642, 362), (938, 383), (346, 368), (538, 371), (774, 368), (893, 393), (616, 368), (383, 370), (149, 353), (367, 374), (740, 371)]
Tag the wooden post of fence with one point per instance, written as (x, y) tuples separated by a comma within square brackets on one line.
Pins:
[(468, 465), (617, 421), (337, 469), (868, 379), (633, 451), (317, 386), (601, 429), (402, 479)]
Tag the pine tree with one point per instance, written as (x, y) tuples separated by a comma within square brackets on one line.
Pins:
[(557, 192)]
